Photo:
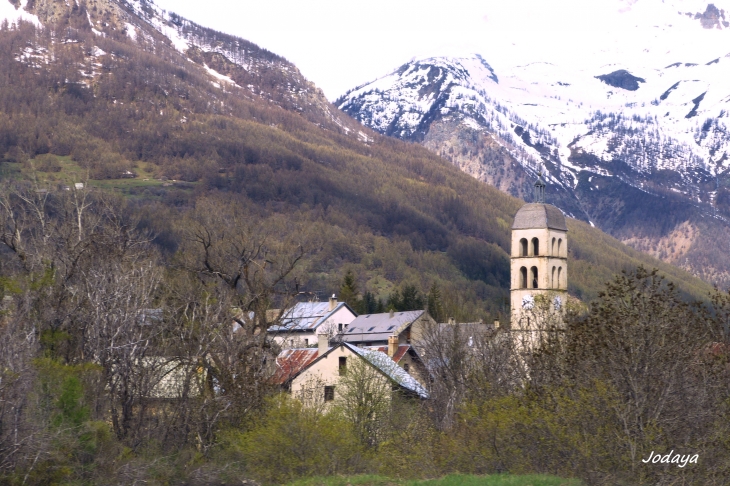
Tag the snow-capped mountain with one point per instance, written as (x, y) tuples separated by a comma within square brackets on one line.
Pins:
[(633, 138)]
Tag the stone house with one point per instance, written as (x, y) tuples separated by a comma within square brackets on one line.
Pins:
[(314, 373)]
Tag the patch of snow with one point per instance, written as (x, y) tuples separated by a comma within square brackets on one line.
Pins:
[(91, 23), (219, 76), (131, 31), (13, 16)]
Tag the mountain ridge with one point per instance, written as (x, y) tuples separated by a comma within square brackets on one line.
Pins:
[(531, 118)]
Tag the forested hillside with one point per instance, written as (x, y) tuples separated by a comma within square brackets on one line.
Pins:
[(112, 106)]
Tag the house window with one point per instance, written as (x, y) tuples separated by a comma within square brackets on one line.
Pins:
[(339, 327), (523, 277), (533, 272), (406, 367), (306, 342), (329, 393), (535, 246), (343, 365), (523, 247)]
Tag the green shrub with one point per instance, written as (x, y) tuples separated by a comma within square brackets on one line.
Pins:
[(292, 441)]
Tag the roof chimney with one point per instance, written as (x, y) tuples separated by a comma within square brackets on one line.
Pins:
[(452, 321), (392, 313), (333, 302), (323, 344), (392, 345), (496, 324)]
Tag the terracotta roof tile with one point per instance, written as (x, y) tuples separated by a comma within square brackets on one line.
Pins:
[(292, 361)]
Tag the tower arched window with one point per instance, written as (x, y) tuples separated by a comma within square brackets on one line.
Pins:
[(533, 277), (523, 277), (535, 246), (560, 277), (552, 279), (523, 247), (560, 243), (553, 248)]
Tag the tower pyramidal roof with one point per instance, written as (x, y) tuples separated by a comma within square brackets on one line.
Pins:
[(539, 214)]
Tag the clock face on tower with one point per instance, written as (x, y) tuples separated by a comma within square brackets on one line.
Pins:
[(528, 301), (557, 302)]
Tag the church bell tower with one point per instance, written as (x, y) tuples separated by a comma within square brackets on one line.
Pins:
[(539, 258)]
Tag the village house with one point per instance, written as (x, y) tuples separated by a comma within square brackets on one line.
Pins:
[(314, 373), (375, 329), (472, 332), (300, 325)]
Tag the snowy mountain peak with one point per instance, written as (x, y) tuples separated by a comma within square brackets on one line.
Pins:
[(666, 110), (607, 133)]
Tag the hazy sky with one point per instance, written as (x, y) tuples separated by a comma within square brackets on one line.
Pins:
[(339, 44)]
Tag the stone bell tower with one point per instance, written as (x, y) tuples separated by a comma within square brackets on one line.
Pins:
[(539, 258)]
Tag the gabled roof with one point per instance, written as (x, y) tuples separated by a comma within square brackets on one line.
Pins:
[(402, 351), (307, 316), (291, 361), (377, 327), (390, 368)]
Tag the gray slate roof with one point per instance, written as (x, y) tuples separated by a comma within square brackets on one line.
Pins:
[(537, 215), (377, 327), (390, 368), (306, 316)]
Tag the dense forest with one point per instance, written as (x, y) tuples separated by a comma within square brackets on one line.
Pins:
[(250, 204)]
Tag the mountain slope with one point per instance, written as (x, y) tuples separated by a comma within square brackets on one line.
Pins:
[(87, 95), (638, 152)]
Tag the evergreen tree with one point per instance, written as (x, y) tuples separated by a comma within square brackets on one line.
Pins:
[(395, 303), (348, 291), (409, 298), (435, 306), (370, 305)]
